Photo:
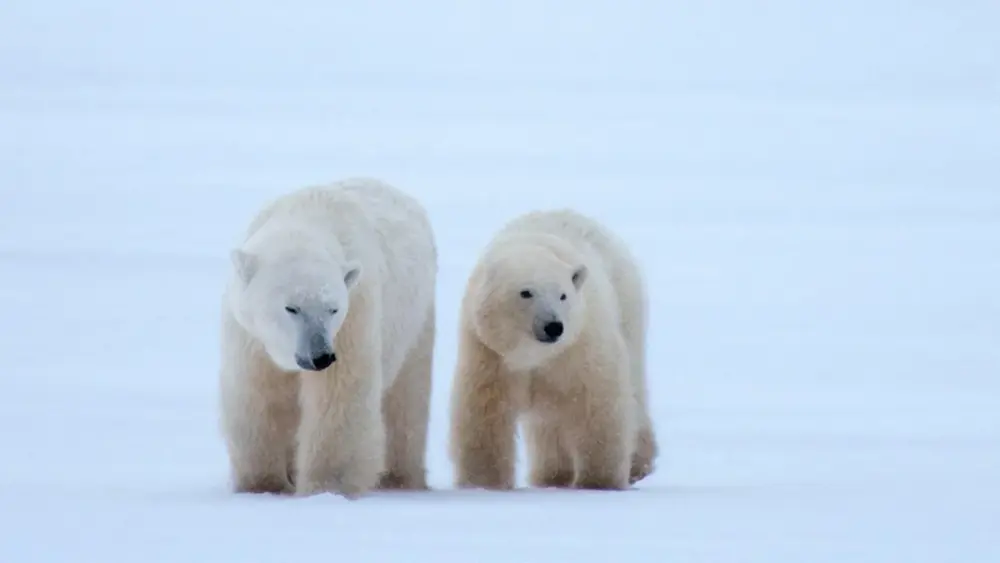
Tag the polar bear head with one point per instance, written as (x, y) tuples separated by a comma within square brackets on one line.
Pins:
[(527, 304), (293, 304)]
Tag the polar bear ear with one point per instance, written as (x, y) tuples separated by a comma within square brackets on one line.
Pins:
[(244, 263), (579, 276), (352, 273)]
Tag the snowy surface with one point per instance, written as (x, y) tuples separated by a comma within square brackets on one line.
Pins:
[(814, 193)]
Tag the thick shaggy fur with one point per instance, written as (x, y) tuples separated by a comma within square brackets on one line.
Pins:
[(363, 254), (582, 400)]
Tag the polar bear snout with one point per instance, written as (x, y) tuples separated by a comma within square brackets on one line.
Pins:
[(316, 354), (548, 331), (317, 363)]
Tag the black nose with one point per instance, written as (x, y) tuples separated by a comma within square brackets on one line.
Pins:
[(323, 361), (553, 330)]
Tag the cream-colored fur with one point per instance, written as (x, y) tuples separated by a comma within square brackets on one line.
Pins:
[(582, 400), (362, 422)]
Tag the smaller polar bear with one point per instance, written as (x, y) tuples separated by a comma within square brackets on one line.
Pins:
[(553, 326), (327, 343)]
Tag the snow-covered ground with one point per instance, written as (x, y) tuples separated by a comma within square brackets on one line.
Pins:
[(814, 192)]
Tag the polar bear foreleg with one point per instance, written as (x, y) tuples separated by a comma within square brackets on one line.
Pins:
[(604, 445), (548, 450), (483, 419), (259, 407), (406, 412), (604, 419), (341, 439)]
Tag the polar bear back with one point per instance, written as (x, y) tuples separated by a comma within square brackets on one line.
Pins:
[(384, 229)]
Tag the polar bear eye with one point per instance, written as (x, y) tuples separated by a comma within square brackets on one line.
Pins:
[(333, 311), (292, 310), (562, 297), (526, 294)]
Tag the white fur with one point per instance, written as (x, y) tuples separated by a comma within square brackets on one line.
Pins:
[(581, 398), (348, 269)]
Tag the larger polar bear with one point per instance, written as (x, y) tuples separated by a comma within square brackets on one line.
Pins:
[(553, 330), (327, 342)]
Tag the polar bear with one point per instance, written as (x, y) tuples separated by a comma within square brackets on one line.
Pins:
[(328, 327), (552, 333)]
